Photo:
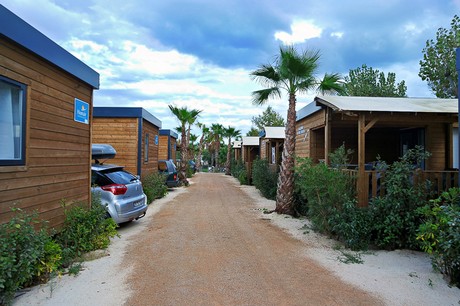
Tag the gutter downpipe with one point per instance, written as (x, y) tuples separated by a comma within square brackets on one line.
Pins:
[(458, 113)]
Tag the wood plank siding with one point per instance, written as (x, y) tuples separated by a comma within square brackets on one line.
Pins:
[(167, 145), (304, 127), (133, 132), (57, 165), (149, 161), (123, 135)]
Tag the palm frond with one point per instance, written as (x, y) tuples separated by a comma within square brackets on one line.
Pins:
[(265, 75), (261, 96), (331, 84)]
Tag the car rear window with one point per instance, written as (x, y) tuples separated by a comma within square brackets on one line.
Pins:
[(114, 176)]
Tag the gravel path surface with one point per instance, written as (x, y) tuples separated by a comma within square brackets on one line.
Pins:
[(210, 244)]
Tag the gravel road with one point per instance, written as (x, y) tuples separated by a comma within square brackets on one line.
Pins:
[(208, 247), (210, 244)]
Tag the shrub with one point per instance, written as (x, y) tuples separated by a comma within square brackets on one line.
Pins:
[(85, 230), (395, 213), (352, 225), (243, 177), (23, 253), (322, 192), (439, 235), (238, 171), (264, 178), (154, 186)]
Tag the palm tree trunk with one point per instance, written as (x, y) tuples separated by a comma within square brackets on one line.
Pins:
[(184, 160), (285, 190), (229, 151)]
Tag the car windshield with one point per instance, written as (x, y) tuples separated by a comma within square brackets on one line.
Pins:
[(118, 176)]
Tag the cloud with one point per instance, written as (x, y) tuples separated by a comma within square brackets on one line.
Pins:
[(301, 31)]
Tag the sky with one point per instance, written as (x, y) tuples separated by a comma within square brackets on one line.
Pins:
[(199, 54)]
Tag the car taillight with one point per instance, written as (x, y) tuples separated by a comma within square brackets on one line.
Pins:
[(116, 189), (175, 176)]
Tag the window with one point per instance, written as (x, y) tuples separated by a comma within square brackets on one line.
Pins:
[(12, 122), (146, 148)]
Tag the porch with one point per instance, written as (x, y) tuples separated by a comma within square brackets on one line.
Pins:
[(372, 184)]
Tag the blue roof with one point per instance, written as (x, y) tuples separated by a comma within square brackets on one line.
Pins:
[(22, 33), (125, 112), (307, 110), (168, 133)]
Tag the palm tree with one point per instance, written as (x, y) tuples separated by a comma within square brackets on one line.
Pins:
[(201, 144), (192, 146), (230, 132), (293, 72), (216, 129), (185, 116)]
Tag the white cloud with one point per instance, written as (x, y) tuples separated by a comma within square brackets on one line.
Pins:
[(337, 34), (301, 30)]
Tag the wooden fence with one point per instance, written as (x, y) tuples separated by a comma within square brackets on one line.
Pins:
[(374, 182)]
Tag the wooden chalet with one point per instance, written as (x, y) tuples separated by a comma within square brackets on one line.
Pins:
[(46, 97), (385, 127), (271, 144), (237, 150), (167, 145), (250, 148), (133, 132)]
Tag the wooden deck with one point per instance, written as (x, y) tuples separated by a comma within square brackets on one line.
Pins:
[(374, 182)]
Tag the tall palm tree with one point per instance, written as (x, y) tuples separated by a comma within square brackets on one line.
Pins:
[(216, 129), (184, 115), (292, 72), (230, 132), (201, 144), (192, 146)]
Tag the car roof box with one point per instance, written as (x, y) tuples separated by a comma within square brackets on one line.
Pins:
[(102, 151)]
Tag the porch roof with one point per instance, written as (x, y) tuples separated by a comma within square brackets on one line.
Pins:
[(273, 132), (380, 104), (237, 144), (385, 104), (250, 141)]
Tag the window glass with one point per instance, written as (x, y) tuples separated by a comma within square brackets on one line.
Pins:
[(146, 148), (120, 176), (12, 125)]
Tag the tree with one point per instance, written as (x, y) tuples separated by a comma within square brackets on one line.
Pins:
[(185, 116), (294, 73), (253, 132), (201, 144), (268, 118), (367, 82), (230, 132), (438, 64), (216, 129)]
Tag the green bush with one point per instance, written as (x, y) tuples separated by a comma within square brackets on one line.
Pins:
[(264, 179), (395, 213), (23, 254), (238, 171), (243, 177), (85, 230), (352, 225), (321, 191), (439, 235), (154, 186)]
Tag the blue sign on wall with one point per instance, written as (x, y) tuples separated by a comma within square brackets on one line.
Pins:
[(81, 111), (156, 140)]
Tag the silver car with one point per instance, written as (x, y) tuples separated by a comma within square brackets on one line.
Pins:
[(120, 191)]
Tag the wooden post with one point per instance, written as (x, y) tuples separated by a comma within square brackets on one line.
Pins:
[(327, 137), (362, 194), (363, 180)]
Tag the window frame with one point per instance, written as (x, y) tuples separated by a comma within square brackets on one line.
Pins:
[(23, 87), (146, 147)]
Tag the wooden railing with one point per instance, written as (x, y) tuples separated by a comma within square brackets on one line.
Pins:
[(374, 182)]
